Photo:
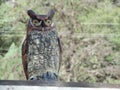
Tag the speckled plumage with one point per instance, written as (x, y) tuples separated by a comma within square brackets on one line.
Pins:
[(41, 52)]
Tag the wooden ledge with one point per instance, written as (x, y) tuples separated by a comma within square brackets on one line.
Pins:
[(56, 84)]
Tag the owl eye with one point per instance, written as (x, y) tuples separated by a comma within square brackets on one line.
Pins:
[(36, 22), (48, 22)]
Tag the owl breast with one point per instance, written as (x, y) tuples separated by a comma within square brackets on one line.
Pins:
[(43, 52)]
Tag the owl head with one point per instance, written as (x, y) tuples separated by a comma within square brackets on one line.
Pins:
[(41, 20)]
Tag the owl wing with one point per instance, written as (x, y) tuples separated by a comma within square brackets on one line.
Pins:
[(59, 43), (24, 57)]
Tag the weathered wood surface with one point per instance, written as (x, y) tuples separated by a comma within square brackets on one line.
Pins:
[(56, 84), (51, 88)]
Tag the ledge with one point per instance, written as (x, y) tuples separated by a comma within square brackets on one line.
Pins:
[(40, 85)]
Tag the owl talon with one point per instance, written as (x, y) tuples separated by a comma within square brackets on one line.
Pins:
[(33, 78), (49, 76)]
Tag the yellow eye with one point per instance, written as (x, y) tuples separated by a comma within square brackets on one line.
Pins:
[(36, 22), (48, 22)]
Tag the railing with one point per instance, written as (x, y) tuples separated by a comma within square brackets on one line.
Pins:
[(40, 85)]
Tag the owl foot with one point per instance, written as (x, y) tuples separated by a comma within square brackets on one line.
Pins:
[(50, 76), (33, 78)]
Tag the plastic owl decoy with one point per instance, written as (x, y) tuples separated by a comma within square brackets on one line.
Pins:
[(41, 49)]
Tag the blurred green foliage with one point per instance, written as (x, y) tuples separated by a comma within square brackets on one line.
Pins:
[(116, 41), (89, 17)]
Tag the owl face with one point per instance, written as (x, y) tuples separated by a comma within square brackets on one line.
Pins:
[(41, 20)]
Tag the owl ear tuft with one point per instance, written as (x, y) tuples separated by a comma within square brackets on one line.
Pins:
[(31, 13), (51, 13)]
